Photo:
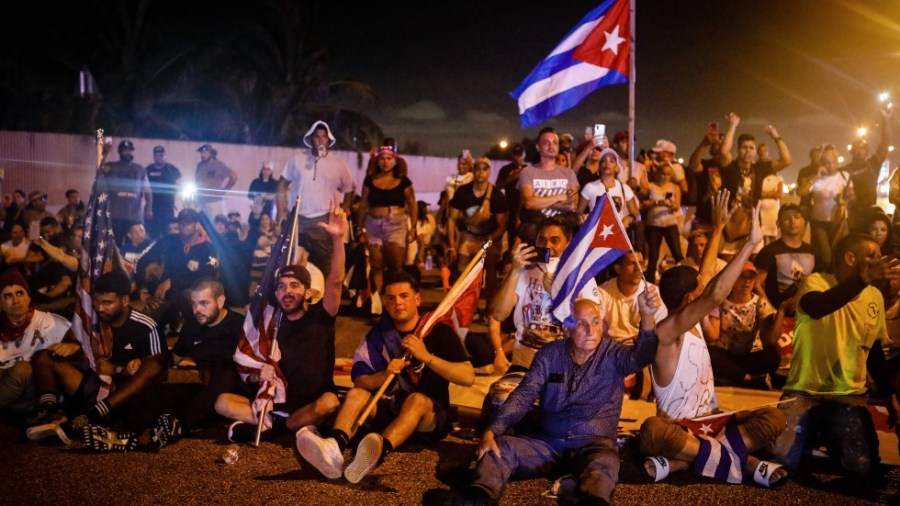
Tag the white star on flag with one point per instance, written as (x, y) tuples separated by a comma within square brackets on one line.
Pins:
[(101, 198), (607, 231), (613, 41), (706, 428), (101, 244), (213, 261)]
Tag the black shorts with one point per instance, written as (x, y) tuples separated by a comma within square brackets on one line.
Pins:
[(389, 408)]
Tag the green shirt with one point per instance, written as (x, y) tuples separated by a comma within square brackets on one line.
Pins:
[(830, 353)]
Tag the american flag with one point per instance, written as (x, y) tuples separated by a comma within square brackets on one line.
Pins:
[(258, 345), (99, 254)]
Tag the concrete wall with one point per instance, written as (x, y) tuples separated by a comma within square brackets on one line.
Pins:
[(56, 162)]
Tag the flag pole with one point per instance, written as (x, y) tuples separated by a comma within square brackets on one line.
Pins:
[(631, 80), (292, 252), (432, 318), (99, 147)]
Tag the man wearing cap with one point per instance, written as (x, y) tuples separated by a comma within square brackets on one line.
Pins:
[(742, 176), (186, 258), (213, 178), (25, 331), (128, 187), (705, 174), (319, 178), (164, 181), (306, 344)]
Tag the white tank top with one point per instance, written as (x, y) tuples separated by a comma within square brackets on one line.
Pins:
[(691, 392)]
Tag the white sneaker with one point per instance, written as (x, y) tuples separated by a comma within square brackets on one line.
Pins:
[(367, 455), (323, 454), (46, 430)]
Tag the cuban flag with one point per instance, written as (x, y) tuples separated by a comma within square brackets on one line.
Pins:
[(593, 54), (598, 243)]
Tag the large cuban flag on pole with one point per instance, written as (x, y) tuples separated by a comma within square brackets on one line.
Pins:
[(592, 55), (598, 243)]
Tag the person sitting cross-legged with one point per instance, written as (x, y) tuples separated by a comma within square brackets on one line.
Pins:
[(419, 403), (579, 383)]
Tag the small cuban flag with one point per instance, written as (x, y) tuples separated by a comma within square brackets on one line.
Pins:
[(593, 54), (598, 243)]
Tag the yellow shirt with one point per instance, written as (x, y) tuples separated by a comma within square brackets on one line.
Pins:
[(830, 353)]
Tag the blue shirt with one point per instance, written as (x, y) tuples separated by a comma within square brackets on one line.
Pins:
[(576, 401)]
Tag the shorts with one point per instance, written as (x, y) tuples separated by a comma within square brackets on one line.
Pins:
[(389, 407), (392, 229)]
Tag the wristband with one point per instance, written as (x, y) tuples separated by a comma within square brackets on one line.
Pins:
[(498, 351), (778, 139)]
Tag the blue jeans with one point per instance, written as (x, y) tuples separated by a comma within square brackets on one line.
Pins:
[(844, 426), (595, 463)]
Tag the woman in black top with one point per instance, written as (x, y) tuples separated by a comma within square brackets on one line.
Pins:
[(265, 186), (388, 202)]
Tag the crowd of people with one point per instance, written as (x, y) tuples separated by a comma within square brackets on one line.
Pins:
[(720, 273)]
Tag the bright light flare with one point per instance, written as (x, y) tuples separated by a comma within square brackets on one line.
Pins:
[(188, 192), (503, 144), (840, 159), (883, 96), (862, 131), (890, 149)]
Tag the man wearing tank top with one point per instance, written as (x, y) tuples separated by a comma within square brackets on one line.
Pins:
[(683, 380)]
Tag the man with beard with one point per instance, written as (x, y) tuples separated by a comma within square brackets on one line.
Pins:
[(209, 338), (306, 342), (547, 189), (128, 186), (130, 359)]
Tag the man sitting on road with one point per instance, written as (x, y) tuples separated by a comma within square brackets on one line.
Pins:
[(417, 406)]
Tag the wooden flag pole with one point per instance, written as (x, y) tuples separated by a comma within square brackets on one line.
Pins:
[(432, 318), (290, 259)]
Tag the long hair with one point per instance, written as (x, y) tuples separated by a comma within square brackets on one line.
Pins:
[(399, 171)]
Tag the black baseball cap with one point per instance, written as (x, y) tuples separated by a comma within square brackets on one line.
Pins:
[(126, 144), (189, 215), (159, 149), (205, 147), (295, 271)]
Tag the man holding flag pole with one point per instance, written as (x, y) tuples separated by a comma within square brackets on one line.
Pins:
[(425, 354), (287, 346)]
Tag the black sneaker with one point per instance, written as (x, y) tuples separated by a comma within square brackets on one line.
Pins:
[(240, 432), (168, 430), (101, 439)]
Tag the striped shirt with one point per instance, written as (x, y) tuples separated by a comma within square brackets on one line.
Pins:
[(138, 337)]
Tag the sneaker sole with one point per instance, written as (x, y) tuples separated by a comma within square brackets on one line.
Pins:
[(313, 454), (367, 455), (101, 439), (39, 432)]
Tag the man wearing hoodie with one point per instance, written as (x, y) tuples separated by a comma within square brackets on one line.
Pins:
[(319, 178)]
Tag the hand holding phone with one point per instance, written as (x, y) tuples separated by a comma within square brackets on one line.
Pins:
[(541, 255), (34, 231), (599, 133)]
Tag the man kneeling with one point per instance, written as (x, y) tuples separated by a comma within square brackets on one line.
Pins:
[(580, 384), (420, 400)]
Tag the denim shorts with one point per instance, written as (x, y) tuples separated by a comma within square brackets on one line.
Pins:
[(393, 229)]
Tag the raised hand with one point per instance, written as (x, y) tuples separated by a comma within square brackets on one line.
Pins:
[(648, 302), (721, 209), (733, 119), (756, 234), (772, 132), (521, 256), (337, 221)]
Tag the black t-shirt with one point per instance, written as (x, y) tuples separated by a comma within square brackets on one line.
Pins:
[(163, 186), (510, 191), (307, 355), (182, 268), (465, 200), (138, 337), (785, 267), (733, 179), (585, 176), (442, 342), (864, 175), (212, 347)]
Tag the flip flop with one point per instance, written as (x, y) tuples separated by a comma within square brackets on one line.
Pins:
[(763, 474), (662, 467)]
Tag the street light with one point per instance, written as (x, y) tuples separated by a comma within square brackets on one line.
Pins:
[(503, 144), (861, 131)]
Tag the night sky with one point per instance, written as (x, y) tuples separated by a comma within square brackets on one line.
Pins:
[(443, 76), (442, 71)]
